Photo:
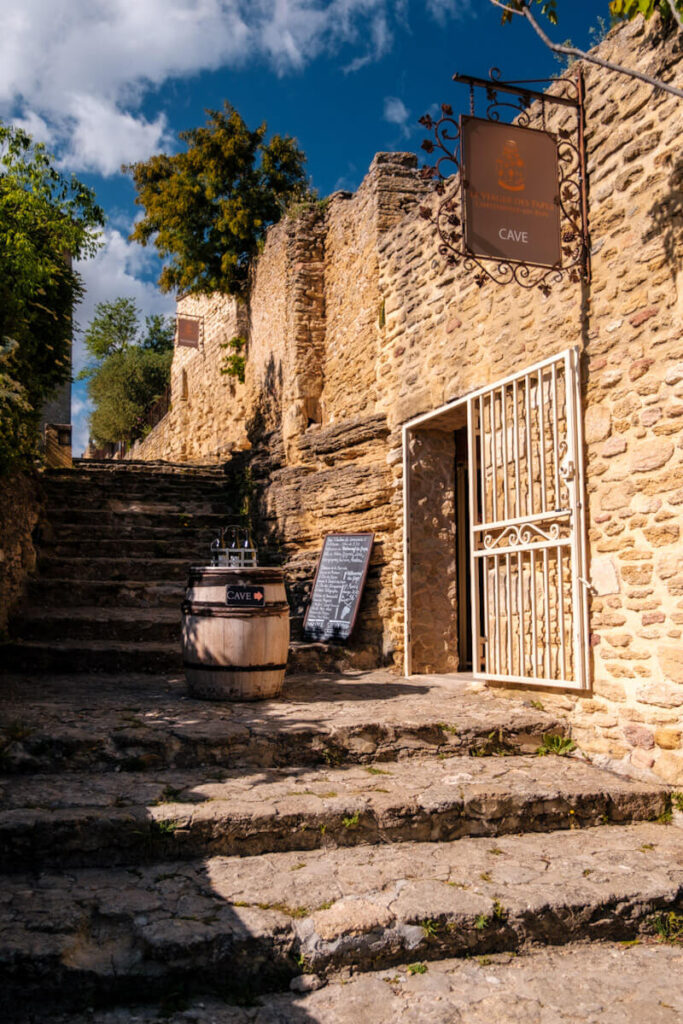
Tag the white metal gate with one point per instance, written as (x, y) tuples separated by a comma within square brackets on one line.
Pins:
[(530, 621)]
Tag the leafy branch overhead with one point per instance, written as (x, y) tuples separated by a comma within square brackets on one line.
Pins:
[(620, 9), (207, 209)]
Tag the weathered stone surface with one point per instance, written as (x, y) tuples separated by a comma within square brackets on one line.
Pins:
[(141, 722), (604, 984), (597, 423), (671, 663), (668, 738), (650, 455), (669, 767), (236, 920), (119, 818)]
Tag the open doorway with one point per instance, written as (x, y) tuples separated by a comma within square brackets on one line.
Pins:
[(495, 574)]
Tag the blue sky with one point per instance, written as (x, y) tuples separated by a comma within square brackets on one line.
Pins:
[(105, 82)]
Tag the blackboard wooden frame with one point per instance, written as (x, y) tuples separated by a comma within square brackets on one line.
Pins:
[(361, 588)]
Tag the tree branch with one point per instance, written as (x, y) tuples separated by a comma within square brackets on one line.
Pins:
[(572, 51), (676, 13)]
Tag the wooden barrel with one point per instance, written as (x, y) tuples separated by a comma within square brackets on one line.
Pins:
[(235, 633)]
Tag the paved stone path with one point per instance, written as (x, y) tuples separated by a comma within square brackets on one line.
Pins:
[(596, 984)]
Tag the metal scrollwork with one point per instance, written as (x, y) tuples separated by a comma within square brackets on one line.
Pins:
[(448, 216), (522, 535)]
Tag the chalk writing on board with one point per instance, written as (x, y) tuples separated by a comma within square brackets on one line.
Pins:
[(338, 585)]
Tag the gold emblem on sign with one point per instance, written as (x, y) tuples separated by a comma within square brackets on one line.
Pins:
[(511, 168)]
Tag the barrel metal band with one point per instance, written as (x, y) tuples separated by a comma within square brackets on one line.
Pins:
[(233, 668), (217, 610)]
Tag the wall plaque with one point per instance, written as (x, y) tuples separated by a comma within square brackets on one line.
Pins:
[(338, 585), (188, 331), (510, 187)]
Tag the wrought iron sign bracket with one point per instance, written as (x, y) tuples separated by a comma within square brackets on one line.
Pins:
[(450, 213)]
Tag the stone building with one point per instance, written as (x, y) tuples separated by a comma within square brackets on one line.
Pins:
[(381, 386)]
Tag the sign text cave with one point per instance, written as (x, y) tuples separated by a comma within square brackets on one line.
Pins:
[(338, 585), (510, 188)]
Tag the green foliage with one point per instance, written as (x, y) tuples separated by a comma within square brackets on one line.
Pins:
[(558, 745), (46, 219), (625, 10), (416, 968), (208, 208), (235, 360), (130, 371), (669, 927), (548, 8)]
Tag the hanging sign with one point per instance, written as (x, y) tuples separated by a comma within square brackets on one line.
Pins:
[(338, 585), (188, 331), (510, 188)]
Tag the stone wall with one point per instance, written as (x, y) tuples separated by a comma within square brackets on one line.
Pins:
[(356, 324), (21, 504), (206, 418)]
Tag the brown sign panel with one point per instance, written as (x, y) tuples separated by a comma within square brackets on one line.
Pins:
[(510, 192), (188, 331)]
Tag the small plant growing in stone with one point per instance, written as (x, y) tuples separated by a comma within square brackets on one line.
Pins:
[(430, 927), (669, 927), (499, 911), (677, 801), (416, 968), (481, 922), (352, 821), (235, 360), (538, 705), (375, 771), (558, 745), (165, 827)]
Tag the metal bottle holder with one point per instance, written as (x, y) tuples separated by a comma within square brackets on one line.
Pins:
[(233, 548)]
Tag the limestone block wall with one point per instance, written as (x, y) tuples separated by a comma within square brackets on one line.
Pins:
[(356, 324), (206, 420), (445, 336)]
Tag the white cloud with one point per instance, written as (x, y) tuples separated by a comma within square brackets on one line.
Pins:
[(101, 133), (77, 71), (442, 10), (396, 112)]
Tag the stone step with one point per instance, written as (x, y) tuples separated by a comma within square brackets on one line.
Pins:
[(82, 723), (79, 820), (91, 656), (127, 569), (130, 520), (119, 593), (238, 924), (604, 983), (160, 625), (179, 545), (120, 532), (93, 468)]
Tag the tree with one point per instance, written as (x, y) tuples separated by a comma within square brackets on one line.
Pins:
[(46, 219), (207, 209), (130, 371), (621, 9)]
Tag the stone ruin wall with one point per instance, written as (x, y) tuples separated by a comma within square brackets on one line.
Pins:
[(362, 327)]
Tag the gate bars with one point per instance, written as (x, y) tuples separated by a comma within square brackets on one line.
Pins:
[(527, 526)]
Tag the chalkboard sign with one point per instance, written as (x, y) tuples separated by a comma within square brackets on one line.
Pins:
[(338, 585)]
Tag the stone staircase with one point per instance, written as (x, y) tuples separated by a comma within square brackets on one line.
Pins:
[(113, 559), (160, 854), (366, 848)]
